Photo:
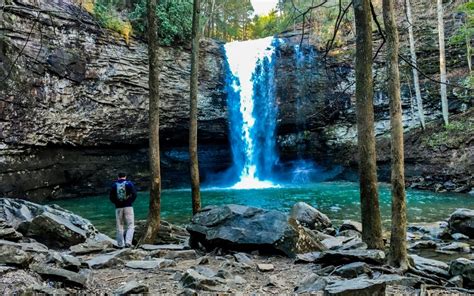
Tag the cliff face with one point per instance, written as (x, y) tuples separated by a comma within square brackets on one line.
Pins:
[(73, 107)]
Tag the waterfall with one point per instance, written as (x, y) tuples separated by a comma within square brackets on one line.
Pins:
[(250, 85)]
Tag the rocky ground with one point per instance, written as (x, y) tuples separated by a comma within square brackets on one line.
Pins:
[(230, 249)]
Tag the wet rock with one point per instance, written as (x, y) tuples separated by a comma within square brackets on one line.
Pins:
[(12, 255), (423, 244), (350, 233), (309, 216), (338, 257), (132, 287), (459, 236), (203, 279), (353, 270), (63, 275), (150, 264), (430, 266), (463, 267), (245, 228), (265, 267), (351, 225), (434, 230), (50, 225), (107, 260), (310, 284), (457, 247), (365, 286), (462, 221)]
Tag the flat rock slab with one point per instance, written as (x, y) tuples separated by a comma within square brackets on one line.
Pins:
[(148, 247), (106, 260), (132, 287), (353, 270), (311, 284), (365, 286), (150, 264), (60, 274), (307, 257), (203, 279), (339, 257), (431, 266), (27, 247), (184, 254), (265, 267), (13, 255)]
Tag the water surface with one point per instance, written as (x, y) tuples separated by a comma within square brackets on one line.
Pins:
[(339, 200)]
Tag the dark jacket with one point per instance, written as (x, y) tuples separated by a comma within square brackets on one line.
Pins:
[(131, 194)]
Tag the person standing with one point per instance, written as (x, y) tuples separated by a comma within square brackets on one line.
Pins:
[(122, 195)]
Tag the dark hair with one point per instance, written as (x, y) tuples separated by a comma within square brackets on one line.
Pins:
[(122, 175)]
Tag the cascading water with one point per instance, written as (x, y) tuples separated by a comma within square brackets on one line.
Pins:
[(252, 110)]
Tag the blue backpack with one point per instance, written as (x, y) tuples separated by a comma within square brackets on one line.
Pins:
[(122, 191)]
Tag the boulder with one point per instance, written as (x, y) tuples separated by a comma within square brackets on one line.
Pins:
[(351, 225), (353, 270), (245, 228), (338, 257), (309, 216), (132, 287), (457, 247), (311, 284), (60, 274), (50, 225), (430, 266), (13, 255), (434, 230), (203, 278), (334, 242), (365, 286), (462, 221), (463, 267)]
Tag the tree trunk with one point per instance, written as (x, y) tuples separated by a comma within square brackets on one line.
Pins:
[(398, 249), (193, 124), (442, 62), (369, 202), (153, 221), (416, 81)]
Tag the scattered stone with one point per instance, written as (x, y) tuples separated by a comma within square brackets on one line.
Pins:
[(350, 233), (184, 255), (132, 287), (351, 225), (462, 221), (423, 244), (353, 270), (307, 257), (334, 242), (339, 257), (14, 256), (173, 247), (203, 279), (365, 286), (60, 274), (463, 267), (240, 227), (309, 216), (107, 260), (430, 266), (244, 259), (434, 230), (150, 264), (457, 247), (310, 284), (459, 236), (265, 267)]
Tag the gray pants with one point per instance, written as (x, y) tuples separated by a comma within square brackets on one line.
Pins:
[(124, 216)]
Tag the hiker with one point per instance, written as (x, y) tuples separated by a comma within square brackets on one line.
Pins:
[(123, 194)]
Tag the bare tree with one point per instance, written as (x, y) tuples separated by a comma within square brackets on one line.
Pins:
[(416, 81), (153, 221), (398, 250), (369, 201), (442, 62), (193, 124)]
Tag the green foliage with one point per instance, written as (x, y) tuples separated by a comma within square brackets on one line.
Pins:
[(174, 20), (267, 25), (466, 31), (108, 17), (451, 135)]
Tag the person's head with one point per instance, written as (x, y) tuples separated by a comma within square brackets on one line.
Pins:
[(122, 176)]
